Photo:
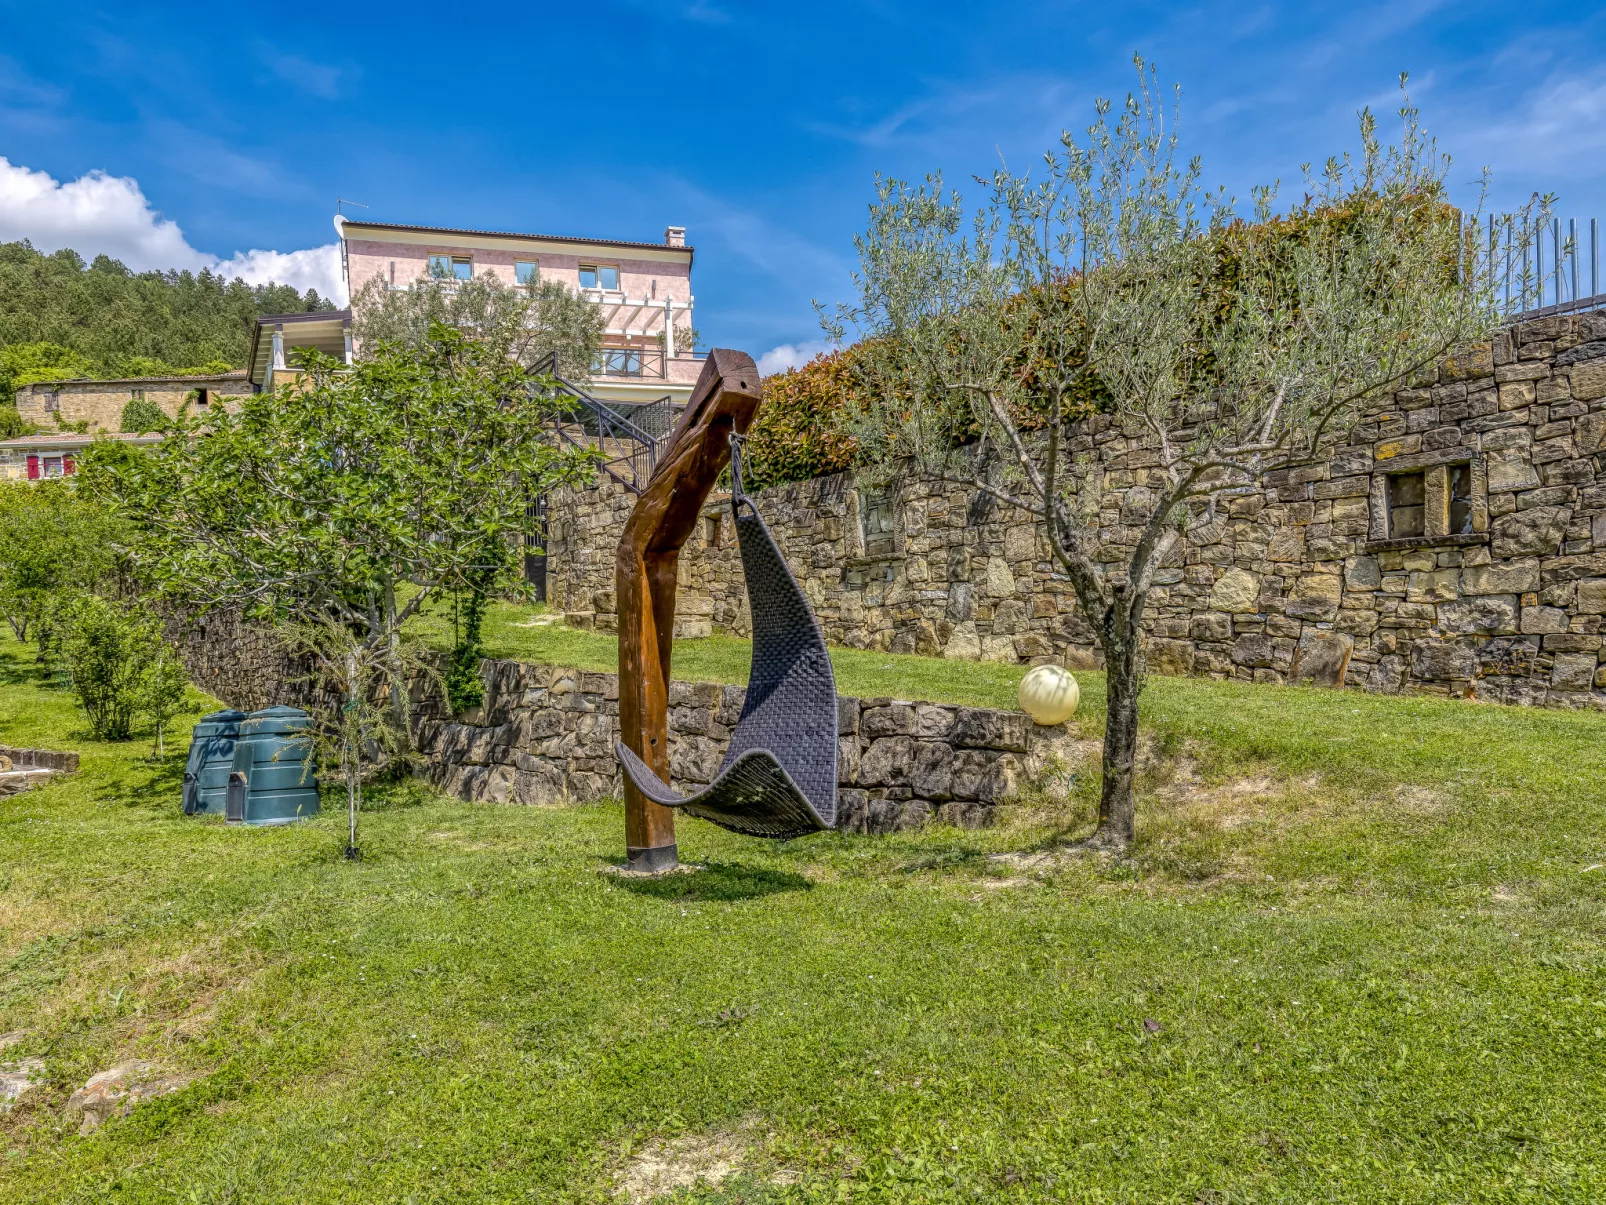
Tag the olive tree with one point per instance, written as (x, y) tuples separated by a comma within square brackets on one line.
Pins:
[(1114, 283), (525, 322), (339, 505)]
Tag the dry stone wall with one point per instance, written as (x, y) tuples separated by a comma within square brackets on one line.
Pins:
[(1502, 595), (235, 660), (545, 735)]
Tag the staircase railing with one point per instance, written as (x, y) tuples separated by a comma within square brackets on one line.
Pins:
[(629, 435)]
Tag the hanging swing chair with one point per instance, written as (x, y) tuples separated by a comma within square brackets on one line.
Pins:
[(778, 778)]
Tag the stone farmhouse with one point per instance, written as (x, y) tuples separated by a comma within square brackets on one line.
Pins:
[(1452, 543), (101, 403)]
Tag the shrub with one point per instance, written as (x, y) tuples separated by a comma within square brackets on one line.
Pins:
[(801, 431), (11, 422), (142, 415), (108, 653), (55, 543)]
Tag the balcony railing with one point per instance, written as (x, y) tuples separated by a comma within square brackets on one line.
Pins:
[(1549, 267), (631, 362)]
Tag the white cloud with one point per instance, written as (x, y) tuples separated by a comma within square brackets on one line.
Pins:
[(790, 355), (315, 268), (316, 79), (93, 214), (101, 214)]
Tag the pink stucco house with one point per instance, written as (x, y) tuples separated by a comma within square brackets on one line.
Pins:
[(644, 290)]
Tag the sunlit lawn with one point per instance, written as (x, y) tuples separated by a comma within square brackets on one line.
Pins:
[(1359, 960)]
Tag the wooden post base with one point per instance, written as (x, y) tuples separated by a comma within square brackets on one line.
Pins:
[(652, 861)]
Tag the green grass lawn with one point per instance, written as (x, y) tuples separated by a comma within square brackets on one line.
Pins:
[(1356, 956)]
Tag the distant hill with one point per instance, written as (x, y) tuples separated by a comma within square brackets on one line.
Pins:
[(61, 317)]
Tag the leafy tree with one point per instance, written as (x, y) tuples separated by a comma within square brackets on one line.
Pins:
[(121, 322), (109, 654), (54, 545), (340, 505), (25, 363), (141, 415), (525, 323), (162, 692), (1115, 282)]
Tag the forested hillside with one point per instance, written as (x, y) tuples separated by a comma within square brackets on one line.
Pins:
[(60, 317)]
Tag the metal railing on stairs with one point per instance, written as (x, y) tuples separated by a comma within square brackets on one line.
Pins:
[(630, 435)]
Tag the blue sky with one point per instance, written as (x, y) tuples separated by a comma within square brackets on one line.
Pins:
[(227, 129)]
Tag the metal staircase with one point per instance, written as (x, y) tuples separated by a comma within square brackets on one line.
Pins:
[(629, 435)]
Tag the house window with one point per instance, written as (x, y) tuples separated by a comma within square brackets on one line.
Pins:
[(451, 267), (53, 466), (713, 530), (201, 397), (1443, 501), (136, 395), (605, 277), (52, 402), (621, 362), (1407, 499), (524, 271), (877, 519)]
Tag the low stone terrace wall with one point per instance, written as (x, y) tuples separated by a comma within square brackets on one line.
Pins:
[(545, 735)]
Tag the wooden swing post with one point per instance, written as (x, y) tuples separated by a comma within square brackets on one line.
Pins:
[(646, 570)]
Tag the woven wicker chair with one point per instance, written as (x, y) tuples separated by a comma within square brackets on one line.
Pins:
[(778, 778)]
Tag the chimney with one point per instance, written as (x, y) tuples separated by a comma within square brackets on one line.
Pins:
[(675, 236)]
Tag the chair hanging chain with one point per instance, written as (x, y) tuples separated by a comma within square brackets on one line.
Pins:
[(737, 492)]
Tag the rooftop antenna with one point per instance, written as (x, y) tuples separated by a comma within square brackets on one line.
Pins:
[(345, 265)]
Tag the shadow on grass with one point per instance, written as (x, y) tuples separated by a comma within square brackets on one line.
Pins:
[(15, 672), (145, 784), (719, 882), (943, 860)]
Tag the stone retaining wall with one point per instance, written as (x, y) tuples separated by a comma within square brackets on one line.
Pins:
[(1301, 582), (545, 735), (235, 660)]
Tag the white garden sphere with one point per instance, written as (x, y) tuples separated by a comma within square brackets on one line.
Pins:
[(1049, 694)]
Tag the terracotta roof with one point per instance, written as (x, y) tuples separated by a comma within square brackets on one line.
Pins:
[(552, 238), (231, 375), (72, 439)]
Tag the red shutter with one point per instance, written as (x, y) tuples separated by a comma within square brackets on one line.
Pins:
[(33, 467), (67, 466)]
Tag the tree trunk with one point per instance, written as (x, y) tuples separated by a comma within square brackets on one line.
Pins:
[(399, 720), (1123, 653), (353, 767)]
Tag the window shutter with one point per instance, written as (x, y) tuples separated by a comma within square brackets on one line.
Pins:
[(33, 467), (68, 468)]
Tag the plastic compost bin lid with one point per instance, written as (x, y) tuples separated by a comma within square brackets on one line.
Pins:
[(219, 723), (273, 721)]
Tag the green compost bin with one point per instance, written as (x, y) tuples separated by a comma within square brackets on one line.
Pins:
[(206, 774), (271, 780)]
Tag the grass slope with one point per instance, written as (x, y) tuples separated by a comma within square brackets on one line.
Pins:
[(1359, 959)]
